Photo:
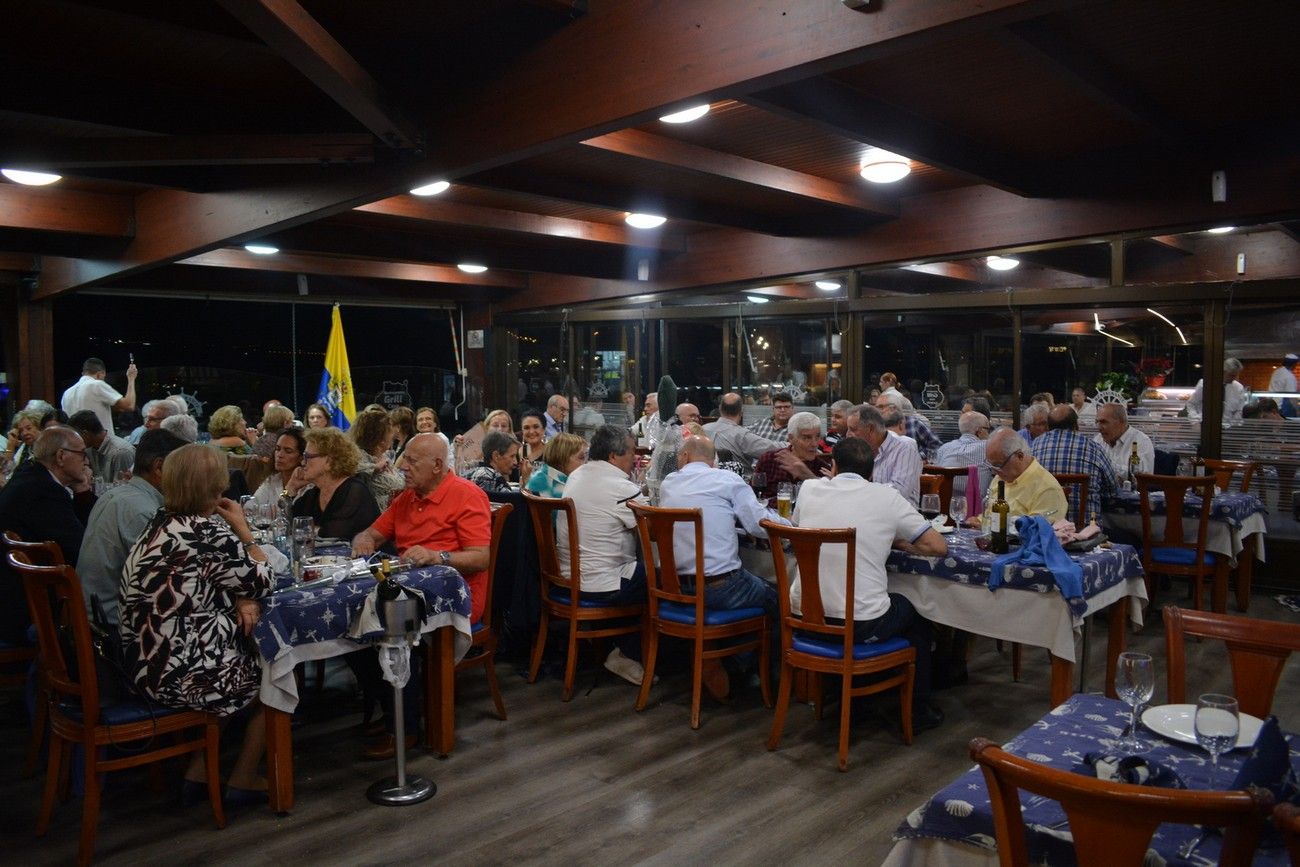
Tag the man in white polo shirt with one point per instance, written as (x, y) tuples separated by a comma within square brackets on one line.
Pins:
[(93, 393)]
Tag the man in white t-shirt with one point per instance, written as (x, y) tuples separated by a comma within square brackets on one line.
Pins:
[(93, 393), (883, 519)]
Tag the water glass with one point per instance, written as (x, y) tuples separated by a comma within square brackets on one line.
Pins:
[(303, 537), (957, 509), (1217, 724), (1135, 682)]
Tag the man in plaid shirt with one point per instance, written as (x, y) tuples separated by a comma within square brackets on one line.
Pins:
[(926, 442), (773, 427), (1064, 450)]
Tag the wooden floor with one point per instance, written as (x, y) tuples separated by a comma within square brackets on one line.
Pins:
[(591, 781)]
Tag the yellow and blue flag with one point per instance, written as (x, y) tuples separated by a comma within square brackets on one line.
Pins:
[(336, 393)]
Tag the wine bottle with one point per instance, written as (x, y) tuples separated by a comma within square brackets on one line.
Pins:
[(1133, 465), (1001, 511)]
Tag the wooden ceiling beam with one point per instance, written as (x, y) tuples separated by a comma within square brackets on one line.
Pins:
[(304, 263), (210, 150), (701, 160), (49, 209), (434, 211), (848, 112), (297, 37)]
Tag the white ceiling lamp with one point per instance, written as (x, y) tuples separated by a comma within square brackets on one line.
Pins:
[(1220, 230), (686, 115), (1168, 321), (882, 167), (262, 249), (29, 178), (1001, 263), (644, 221), (471, 268), (829, 285), (1101, 329), (756, 299), (432, 189)]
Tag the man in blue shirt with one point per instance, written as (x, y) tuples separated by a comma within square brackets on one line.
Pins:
[(724, 499), (557, 410)]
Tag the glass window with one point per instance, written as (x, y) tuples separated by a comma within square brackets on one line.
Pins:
[(796, 356), (693, 358)]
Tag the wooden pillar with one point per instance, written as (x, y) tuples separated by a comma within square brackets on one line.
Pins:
[(1117, 263), (851, 345), (477, 317), (1017, 382), (1212, 373), (29, 346)]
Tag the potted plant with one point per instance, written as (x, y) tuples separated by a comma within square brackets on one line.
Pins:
[(1115, 380), (1153, 371)]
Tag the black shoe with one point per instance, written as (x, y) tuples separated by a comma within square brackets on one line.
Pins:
[(926, 717)]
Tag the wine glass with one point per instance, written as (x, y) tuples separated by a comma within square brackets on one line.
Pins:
[(1217, 724), (930, 506), (957, 509), (1135, 682), (303, 536), (759, 483)]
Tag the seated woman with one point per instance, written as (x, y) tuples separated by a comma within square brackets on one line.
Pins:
[(563, 454), (370, 431), (469, 445), (284, 482), (18, 448), (230, 431), (500, 459), (426, 421), (339, 504), (189, 598), (532, 428)]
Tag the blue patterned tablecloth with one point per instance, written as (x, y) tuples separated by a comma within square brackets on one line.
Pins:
[(966, 564), (1230, 508), (961, 812)]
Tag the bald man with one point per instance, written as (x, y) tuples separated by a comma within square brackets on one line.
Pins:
[(1030, 489)]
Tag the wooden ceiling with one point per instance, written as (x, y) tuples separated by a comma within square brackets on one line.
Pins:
[(1048, 128)]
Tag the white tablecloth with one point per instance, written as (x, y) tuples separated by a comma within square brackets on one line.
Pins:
[(1221, 537)]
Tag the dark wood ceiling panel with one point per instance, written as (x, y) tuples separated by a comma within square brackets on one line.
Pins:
[(508, 200)]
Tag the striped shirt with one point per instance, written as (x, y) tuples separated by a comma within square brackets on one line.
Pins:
[(1067, 451)]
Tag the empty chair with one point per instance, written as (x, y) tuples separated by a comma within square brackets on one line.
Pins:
[(713, 633), (1223, 472), (808, 642), (561, 595), (1257, 652), (76, 717), (1112, 823), (946, 476), (1170, 554), (484, 635)]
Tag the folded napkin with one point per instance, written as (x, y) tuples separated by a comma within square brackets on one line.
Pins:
[(1039, 547), (1134, 770), (1269, 765)]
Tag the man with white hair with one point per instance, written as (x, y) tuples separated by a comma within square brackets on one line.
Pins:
[(557, 411), (647, 427), (1234, 394), (184, 426), (926, 442), (837, 425), (896, 462), (968, 450), (153, 414), (1030, 488), (1116, 439), (1033, 421), (799, 460)]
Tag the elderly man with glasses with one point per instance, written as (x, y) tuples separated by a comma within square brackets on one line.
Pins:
[(967, 450), (1030, 488)]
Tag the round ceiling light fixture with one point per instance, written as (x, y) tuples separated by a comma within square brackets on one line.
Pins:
[(1220, 230), (262, 249), (1001, 263), (471, 268), (29, 178), (828, 285), (882, 167), (756, 299), (686, 115), (432, 189), (644, 221)]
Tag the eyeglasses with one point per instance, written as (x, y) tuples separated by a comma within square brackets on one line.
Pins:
[(81, 452), (997, 468), (307, 456)]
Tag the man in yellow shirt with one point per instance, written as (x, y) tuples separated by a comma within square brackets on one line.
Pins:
[(1030, 488)]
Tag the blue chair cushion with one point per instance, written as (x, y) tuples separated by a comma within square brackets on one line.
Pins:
[(130, 711), (477, 628), (834, 650), (561, 595), (1179, 556), (679, 612)]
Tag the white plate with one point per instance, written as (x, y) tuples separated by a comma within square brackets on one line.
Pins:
[(944, 531), (1177, 722)]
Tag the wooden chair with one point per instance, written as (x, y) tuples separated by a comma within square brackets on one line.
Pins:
[(946, 476), (484, 636), (41, 554), (833, 650), (1170, 555), (1257, 651), (76, 717), (1112, 823), (682, 614), (562, 595), (931, 484), (1223, 471), (1286, 818), (1065, 480)]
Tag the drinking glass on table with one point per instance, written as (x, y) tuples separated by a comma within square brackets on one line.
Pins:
[(304, 535), (957, 509), (1135, 682), (759, 483), (930, 506), (785, 500), (1217, 724)]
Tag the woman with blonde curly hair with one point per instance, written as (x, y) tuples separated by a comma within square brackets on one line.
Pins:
[(230, 431), (339, 504), (371, 434)]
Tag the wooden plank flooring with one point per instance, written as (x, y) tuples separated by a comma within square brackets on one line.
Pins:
[(591, 781)]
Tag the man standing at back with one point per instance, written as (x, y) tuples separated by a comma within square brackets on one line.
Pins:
[(93, 393), (557, 410)]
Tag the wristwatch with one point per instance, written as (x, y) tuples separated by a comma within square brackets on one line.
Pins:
[(445, 557)]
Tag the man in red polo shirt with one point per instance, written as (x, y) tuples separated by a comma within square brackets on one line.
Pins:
[(440, 519)]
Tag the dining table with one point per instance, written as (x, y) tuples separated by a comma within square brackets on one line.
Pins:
[(1238, 523), (307, 622), (954, 827)]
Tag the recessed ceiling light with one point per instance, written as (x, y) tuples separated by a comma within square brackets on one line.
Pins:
[(828, 285), (31, 179), (261, 249), (756, 299), (644, 221), (882, 167), (432, 189), (471, 268), (686, 115), (1001, 263), (1220, 230)]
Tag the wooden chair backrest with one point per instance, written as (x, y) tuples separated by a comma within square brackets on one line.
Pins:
[(1065, 480), (931, 484), (806, 543), (1257, 652), (1112, 823), (1176, 489), (946, 476), (54, 598), (1223, 471), (1286, 818), (544, 511), (657, 527), (40, 553), (500, 512)]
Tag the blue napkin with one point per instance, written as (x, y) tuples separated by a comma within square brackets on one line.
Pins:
[(1134, 770), (1269, 765), (1040, 547)]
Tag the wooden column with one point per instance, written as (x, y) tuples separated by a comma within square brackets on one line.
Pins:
[(28, 346), (477, 316), (851, 344), (1212, 374), (1016, 354)]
